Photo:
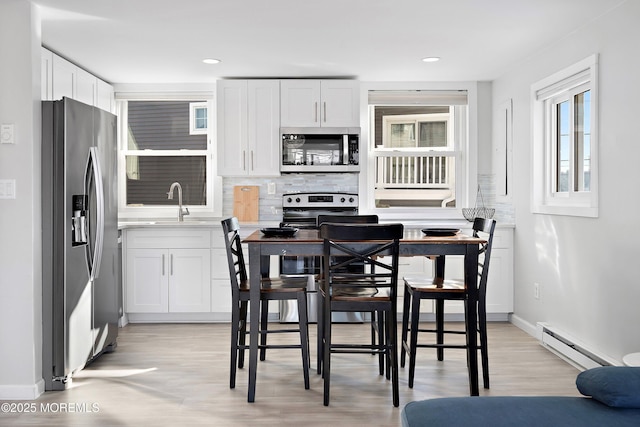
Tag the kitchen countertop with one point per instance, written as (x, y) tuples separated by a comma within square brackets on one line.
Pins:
[(195, 222), (215, 222)]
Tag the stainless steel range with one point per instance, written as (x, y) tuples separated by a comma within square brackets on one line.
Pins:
[(301, 210)]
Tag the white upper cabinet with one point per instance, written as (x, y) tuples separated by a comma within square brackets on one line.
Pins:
[(46, 76), (324, 103), (85, 90), (248, 127), (62, 78), (105, 96)]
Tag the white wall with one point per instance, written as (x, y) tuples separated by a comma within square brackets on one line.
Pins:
[(587, 268), (20, 240)]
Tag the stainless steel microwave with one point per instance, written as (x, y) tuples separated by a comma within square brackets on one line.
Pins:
[(320, 150)]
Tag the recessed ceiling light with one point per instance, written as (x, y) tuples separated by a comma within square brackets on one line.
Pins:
[(211, 61), (431, 59)]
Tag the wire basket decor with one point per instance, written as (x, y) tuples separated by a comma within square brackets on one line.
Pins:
[(470, 214)]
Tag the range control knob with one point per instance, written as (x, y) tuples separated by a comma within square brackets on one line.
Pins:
[(351, 199), (298, 199), (288, 199), (342, 199)]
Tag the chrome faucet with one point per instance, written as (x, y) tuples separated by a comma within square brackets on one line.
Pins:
[(181, 211)]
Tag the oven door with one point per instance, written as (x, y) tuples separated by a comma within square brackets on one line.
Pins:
[(296, 265), (308, 265)]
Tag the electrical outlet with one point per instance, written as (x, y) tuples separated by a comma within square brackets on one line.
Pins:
[(536, 290)]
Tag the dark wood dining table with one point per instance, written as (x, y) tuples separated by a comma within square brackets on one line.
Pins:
[(414, 243)]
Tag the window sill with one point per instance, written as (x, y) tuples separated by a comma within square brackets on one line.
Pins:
[(583, 211)]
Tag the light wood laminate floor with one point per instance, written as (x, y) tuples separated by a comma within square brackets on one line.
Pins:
[(178, 375)]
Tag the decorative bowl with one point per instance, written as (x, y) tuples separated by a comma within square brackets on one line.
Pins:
[(471, 214)]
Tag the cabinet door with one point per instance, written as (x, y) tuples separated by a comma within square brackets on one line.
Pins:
[(104, 96), (85, 87), (147, 281), (500, 282), (232, 127), (415, 266), (340, 103), (263, 123), (46, 77), (189, 280), (64, 75), (220, 281), (300, 103)]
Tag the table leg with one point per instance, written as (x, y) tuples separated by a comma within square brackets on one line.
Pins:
[(471, 279), (439, 275), (254, 316)]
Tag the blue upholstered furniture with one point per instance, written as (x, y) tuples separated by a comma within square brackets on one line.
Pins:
[(612, 398)]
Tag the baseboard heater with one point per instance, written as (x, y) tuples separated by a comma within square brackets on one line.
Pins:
[(569, 349)]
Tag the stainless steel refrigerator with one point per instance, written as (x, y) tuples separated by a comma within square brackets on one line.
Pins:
[(81, 267)]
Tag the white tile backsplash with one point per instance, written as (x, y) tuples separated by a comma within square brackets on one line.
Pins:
[(271, 204)]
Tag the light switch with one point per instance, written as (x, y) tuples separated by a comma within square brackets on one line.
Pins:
[(271, 188), (6, 134)]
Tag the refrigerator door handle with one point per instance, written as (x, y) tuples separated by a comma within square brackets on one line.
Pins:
[(94, 173)]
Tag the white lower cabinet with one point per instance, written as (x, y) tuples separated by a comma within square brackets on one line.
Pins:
[(220, 282), (168, 270), (189, 280), (414, 266), (499, 285), (500, 280), (146, 281), (181, 274)]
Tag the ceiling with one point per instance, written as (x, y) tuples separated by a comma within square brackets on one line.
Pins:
[(165, 41)]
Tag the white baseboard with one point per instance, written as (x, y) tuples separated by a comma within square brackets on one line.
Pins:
[(524, 325), (22, 392)]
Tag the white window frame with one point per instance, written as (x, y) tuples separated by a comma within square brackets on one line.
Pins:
[(193, 127), (545, 95), (466, 153), (416, 119), (214, 183)]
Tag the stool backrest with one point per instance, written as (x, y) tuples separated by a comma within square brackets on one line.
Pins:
[(235, 257), (360, 244), (487, 226)]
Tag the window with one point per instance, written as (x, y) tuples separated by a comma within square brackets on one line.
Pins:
[(427, 130), (416, 142), (159, 147), (197, 118), (565, 145)]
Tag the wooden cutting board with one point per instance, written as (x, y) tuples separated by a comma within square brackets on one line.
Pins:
[(246, 202)]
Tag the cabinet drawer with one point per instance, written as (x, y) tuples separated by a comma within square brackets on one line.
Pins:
[(503, 239), (169, 238)]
